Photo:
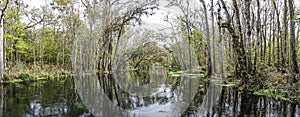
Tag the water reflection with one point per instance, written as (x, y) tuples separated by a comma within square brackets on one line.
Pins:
[(235, 103), (2, 93), (104, 97), (41, 99), (96, 95)]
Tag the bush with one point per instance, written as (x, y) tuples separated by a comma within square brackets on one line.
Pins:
[(25, 77)]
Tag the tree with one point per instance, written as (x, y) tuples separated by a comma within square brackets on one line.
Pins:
[(213, 35), (294, 63), (237, 38), (3, 7), (209, 66), (219, 19), (278, 35), (248, 35), (257, 43), (284, 41)]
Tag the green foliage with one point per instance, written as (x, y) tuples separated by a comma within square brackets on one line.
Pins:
[(273, 92), (174, 69), (294, 91), (283, 91), (25, 76), (79, 105), (147, 54)]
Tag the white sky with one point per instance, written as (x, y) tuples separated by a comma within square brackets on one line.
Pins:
[(157, 18), (36, 3)]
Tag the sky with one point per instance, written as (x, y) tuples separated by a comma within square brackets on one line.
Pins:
[(158, 18), (36, 3)]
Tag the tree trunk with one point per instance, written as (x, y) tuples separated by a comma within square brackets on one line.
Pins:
[(237, 40), (2, 99), (240, 43), (248, 35), (2, 71), (270, 42), (278, 35), (207, 38), (189, 32), (257, 35), (63, 52), (74, 63), (265, 34), (272, 35), (292, 39), (213, 35), (285, 24), (220, 42)]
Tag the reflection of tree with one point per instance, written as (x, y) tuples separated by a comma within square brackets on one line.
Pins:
[(197, 100), (128, 101), (164, 97), (40, 99), (2, 93)]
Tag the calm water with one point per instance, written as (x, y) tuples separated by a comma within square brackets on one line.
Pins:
[(155, 94)]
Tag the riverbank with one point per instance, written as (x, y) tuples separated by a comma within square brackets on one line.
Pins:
[(281, 86), (269, 82), (30, 73), (277, 85)]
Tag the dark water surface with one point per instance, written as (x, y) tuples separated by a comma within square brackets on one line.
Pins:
[(43, 98), (164, 95)]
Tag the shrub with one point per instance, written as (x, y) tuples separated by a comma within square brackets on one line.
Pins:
[(25, 77)]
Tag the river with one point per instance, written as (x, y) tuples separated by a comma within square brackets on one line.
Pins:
[(165, 95)]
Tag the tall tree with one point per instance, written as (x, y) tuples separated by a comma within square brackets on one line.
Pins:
[(213, 35), (248, 34), (207, 38), (284, 41), (278, 34), (294, 63), (257, 35), (219, 19), (3, 7), (237, 39)]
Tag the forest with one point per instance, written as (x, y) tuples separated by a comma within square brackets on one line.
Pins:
[(250, 45)]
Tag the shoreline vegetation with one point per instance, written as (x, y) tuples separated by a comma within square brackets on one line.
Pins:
[(271, 84), (29, 73)]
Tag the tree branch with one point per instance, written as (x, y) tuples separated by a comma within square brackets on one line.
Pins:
[(3, 10)]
